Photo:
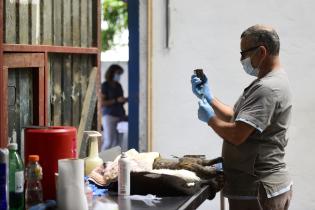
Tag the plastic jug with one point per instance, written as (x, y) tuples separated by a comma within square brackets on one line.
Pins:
[(93, 160)]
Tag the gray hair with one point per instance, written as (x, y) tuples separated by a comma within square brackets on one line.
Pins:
[(263, 35)]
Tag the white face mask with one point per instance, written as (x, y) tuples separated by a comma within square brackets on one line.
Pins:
[(116, 77), (249, 69)]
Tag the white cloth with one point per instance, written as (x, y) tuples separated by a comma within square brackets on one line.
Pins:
[(122, 127)]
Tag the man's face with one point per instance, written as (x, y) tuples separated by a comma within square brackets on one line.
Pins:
[(249, 49)]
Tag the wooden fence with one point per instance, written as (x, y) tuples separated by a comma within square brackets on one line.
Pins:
[(51, 22), (66, 33), (69, 75)]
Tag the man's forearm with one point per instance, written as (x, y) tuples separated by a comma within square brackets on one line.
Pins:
[(233, 132), (223, 111)]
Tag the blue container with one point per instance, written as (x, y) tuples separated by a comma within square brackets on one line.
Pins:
[(4, 153)]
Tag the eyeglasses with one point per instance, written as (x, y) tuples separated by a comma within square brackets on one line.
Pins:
[(248, 50)]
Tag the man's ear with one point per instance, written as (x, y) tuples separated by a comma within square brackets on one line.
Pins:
[(262, 51)]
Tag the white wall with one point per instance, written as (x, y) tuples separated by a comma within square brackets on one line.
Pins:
[(206, 34)]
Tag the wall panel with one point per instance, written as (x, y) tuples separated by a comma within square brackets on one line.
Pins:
[(69, 81), (47, 22), (10, 21)]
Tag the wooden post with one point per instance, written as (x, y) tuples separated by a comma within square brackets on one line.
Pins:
[(41, 96), (66, 28), (23, 20), (3, 105), (3, 121), (47, 36), (66, 90), (76, 90), (98, 63), (88, 108), (56, 72), (57, 30), (84, 22), (10, 21), (47, 90), (76, 36), (149, 77), (35, 22), (89, 24)]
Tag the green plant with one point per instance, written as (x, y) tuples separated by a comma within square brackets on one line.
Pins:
[(115, 14)]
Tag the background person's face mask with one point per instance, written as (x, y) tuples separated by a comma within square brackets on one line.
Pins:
[(116, 77), (249, 69)]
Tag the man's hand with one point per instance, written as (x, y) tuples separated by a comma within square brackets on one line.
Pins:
[(205, 111), (201, 90)]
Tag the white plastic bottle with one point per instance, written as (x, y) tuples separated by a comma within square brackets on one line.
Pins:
[(124, 175)]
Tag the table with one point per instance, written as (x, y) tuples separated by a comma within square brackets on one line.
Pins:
[(167, 203)]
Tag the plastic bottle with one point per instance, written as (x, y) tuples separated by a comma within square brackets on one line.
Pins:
[(33, 189), (93, 160), (4, 179), (123, 175), (16, 178)]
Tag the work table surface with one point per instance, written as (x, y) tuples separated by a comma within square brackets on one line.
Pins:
[(166, 203)]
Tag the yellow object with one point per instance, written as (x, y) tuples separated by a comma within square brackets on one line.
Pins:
[(93, 160)]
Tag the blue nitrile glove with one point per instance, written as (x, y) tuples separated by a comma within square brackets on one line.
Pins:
[(201, 90), (205, 111), (49, 204)]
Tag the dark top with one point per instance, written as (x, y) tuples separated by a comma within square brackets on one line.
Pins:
[(265, 105), (113, 91)]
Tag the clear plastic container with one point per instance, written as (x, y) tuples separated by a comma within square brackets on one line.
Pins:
[(33, 189)]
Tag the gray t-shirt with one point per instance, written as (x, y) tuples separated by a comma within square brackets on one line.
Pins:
[(266, 105)]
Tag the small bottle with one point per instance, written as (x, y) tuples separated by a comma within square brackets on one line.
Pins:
[(199, 73), (16, 178), (33, 189), (123, 175)]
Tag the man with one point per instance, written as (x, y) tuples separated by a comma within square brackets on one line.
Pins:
[(255, 130)]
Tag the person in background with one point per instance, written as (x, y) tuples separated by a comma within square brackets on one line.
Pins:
[(112, 105), (254, 131)]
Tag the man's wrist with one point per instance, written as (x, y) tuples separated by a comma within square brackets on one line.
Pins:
[(211, 119), (210, 100)]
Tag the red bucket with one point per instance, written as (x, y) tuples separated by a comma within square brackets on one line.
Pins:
[(51, 144)]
